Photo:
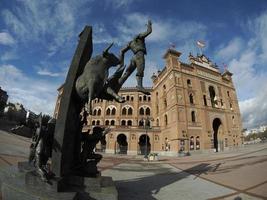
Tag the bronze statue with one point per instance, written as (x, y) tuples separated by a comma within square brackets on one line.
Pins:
[(89, 158), (41, 147), (138, 47), (90, 83)]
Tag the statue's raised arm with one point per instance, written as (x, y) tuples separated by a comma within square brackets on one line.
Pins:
[(148, 31)]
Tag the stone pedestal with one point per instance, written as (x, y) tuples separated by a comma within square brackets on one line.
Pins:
[(25, 185)]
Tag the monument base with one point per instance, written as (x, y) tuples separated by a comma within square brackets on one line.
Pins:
[(25, 185)]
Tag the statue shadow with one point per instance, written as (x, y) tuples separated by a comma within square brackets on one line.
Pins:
[(146, 188)]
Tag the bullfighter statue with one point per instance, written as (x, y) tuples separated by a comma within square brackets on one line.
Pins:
[(138, 47)]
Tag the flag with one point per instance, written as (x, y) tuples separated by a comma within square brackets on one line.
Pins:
[(225, 67), (200, 44), (172, 45)]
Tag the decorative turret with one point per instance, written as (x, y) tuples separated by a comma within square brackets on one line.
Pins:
[(172, 58)]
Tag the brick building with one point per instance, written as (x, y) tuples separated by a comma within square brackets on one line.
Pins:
[(192, 107)]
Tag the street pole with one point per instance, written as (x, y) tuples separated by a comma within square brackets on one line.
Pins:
[(146, 143)]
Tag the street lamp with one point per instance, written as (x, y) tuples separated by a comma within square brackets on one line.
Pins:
[(146, 122)]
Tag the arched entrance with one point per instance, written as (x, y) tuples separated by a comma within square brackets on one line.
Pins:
[(143, 140), (216, 124), (122, 144)]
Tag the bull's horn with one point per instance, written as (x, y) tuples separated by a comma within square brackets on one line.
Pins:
[(106, 50)]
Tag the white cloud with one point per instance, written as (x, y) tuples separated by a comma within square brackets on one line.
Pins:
[(6, 38), (9, 55), (49, 24), (164, 30), (35, 94), (46, 72), (118, 4), (231, 50), (249, 69), (254, 110)]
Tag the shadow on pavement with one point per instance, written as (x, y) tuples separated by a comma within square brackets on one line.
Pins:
[(146, 187)]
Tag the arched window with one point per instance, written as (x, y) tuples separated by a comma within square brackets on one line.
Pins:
[(165, 103), (193, 116), (107, 122), (147, 111), (233, 119), (191, 98), (112, 123), (127, 98), (166, 119), (212, 96), (99, 112), (197, 143), (93, 122), (132, 98), (140, 98), (205, 100), (157, 109), (189, 82), (113, 112), (157, 122), (164, 87), (123, 123), (97, 122), (108, 111), (129, 123), (144, 97), (141, 123), (130, 111), (149, 98), (123, 111), (192, 144), (95, 111), (141, 111)]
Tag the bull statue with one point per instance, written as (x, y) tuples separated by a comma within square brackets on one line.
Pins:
[(91, 83)]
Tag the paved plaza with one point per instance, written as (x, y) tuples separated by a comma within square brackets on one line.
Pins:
[(236, 174)]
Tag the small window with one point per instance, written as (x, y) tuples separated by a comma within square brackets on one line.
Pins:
[(191, 98), (127, 98), (129, 123), (124, 111), (97, 122), (197, 143), (157, 122), (108, 111), (113, 112), (107, 123), (123, 123), (130, 111), (112, 123), (140, 98), (94, 113), (188, 82), (193, 114), (144, 97), (165, 103), (99, 112), (192, 144), (141, 123), (205, 100), (132, 98), (93, 122), (149, 98), (166, 120), (147, 111), (141, 111), (228, 93)]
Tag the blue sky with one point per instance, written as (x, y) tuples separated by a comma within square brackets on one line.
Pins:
[(38, 39)]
